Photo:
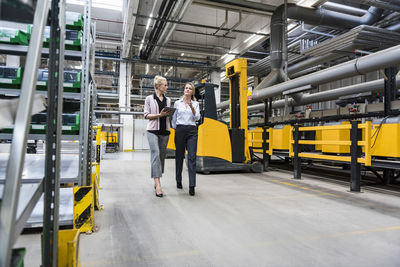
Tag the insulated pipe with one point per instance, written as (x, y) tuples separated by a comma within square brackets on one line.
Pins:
[(310, 16), (167, 27), (379, 60), (314, 17), (306, 98), (344, 9), (172, 29), (395, 27), (393, 5)]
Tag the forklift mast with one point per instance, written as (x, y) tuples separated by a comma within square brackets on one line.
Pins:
[(236, 71)]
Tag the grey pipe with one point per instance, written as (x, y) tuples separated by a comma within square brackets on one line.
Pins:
[(310, 16), (393, 5), (344, 9), (314, 17), (395, 27), (306, 98), (170, 27), (379, 60)]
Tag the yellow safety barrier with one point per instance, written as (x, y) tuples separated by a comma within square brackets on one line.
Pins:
[(366, 143), (83, 214), (255, 140), (68, 248)]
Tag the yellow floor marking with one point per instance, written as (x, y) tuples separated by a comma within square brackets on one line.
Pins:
[(328, 236), (291, 196), (305, 188)]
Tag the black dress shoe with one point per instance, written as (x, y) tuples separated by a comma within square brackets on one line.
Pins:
[(191, 190), (179, 185)]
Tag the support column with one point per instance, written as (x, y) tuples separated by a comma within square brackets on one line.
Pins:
[(355, 152), (390, 88), (297, 160), (266, 157), (216, 79), (125, 85)]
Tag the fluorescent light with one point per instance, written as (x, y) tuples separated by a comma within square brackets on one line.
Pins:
[(224, 56), (249, 38), (140, 47), (148, 24), (104, 4), (182, 54)]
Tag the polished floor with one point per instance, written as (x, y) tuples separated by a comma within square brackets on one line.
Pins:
[(235, 219)]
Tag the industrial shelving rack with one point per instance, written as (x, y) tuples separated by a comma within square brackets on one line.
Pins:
[(15, 210)]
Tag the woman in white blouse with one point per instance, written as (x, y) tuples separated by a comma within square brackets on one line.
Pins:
[(184, 121)]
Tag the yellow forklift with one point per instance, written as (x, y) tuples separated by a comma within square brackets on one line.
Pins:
[(221, 147)]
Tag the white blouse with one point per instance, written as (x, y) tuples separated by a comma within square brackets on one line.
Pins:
[(183, 114)]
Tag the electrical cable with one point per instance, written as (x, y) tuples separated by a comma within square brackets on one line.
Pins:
[(378, 130)]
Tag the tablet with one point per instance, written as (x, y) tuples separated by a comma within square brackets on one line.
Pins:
[(170, 109)]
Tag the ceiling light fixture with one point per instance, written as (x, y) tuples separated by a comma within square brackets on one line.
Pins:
[(149, 21)]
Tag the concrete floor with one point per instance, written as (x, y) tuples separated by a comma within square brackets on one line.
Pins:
[(241, 219)]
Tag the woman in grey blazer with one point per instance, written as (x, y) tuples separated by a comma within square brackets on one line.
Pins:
[(158, 128)]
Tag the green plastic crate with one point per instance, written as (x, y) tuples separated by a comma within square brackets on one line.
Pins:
[(13, 36), (72, 80), (10, 77), (73, 20), (73, 38), (17, 259), (70, 125)]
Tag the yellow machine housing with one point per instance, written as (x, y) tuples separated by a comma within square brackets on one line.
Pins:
[(280, 137), (387, 143), (214, 140), (336, 135)]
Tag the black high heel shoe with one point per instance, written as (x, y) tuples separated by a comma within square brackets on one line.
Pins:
[(158, 195)]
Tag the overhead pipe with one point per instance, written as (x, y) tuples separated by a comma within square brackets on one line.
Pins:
[(395, 27), (165, 39), (167, 26), (307, 98), (309, 16), (344, 9), (163, 13), (392, 5), (379, 60)]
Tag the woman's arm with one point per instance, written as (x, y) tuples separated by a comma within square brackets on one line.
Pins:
[(163, 113), (196, 111), (148, 115), (174, 117)]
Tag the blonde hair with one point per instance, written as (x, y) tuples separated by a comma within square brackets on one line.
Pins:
[(193, 90), (157, 81)]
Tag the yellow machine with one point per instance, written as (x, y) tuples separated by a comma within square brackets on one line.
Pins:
[(338, 135), (280, 137), (219, 147), (385, 141)]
